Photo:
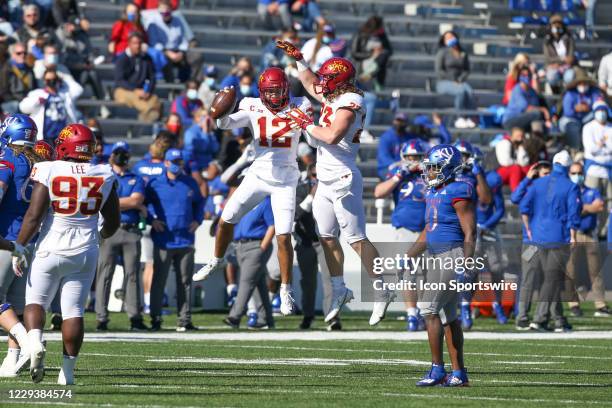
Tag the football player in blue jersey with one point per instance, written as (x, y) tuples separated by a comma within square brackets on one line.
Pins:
[(449, 237), (488, 240), (17, 136), (405, 183)]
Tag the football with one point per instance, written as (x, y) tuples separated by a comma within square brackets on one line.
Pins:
[(224, 102)]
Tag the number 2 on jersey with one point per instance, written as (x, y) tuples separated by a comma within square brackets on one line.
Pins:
[(282, 133), (68, 189)]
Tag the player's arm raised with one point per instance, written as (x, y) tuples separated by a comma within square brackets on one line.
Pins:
[(307, 77), (111, 213)]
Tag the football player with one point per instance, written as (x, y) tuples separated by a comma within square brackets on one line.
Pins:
[(405, 183), (68, 196), (338, 203), (274, 172), (450, 233), (17, 135)]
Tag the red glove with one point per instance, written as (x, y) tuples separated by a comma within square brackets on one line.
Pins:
[(290, 49), (299, 118)]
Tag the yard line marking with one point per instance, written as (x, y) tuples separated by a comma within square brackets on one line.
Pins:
[(528, 362), (585, 346), (290, 361), (464, 397)]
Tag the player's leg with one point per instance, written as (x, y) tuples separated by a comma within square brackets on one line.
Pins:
[(414, 321), (147, 273), (283, 207), (248, 194), (18, 335), (7, 276), (74, 290)]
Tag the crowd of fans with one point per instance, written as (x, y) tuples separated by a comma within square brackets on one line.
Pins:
[(47, 63)]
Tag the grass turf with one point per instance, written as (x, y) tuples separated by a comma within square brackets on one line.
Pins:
[(546, 373)]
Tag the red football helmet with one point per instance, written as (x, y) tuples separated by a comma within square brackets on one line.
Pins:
[(75, 142), (334, 73), (44, 150), (274, 89)]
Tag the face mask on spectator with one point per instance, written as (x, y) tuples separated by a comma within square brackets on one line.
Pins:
[(326, 40), (452, 42), (525, 79), (210, 82), (173, 127), (192, 94), (131, 16), (51, 59), (174, 168), (556, 30), (51, 83), (399, 127), (582, 89), (166, 15), (577, 178), (245, 90), (601, 116), (121, 158)]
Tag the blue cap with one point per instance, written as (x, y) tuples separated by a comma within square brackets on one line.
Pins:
[(210, 71), (401, 116), (173, 154), (121, 145), (423, 120)]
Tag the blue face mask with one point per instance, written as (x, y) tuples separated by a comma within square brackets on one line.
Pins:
[(452, 42), (326, 40), (577, 179), (210, 82), (525, 79), (131, 16), (174, 168), (245, 90)]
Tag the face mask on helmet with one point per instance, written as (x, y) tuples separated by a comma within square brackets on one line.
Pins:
[(275, 98)]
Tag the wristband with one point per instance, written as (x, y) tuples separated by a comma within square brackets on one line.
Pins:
[(310, 128), (301, 65)]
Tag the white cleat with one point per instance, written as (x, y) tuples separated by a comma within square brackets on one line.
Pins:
[(37, 362), (344, 296), (208, 269), (65, 378), (287, 306), (380, 308), (8, 369), (24, 358)]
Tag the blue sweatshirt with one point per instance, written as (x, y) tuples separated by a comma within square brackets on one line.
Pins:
[(488, 216)]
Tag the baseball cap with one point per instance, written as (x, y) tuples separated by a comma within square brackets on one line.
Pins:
[(600, 105), (563, 158), (121, 145), (423, 120), (173, 154), (210, 71), (328, 28), (401, 116)]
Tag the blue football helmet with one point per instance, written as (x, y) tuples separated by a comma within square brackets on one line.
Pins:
[(441, 164), (413, 147), (18, 129), (464, 147), (478, 155)]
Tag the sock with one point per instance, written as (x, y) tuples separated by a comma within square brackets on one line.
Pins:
[(251, 306), (337, 282), (35, 335), (69, 363), (147, 298), (229, 288), (13, 354), (217, 260), (494, 304), (19, 332), (438, 367), (285, 287), (412, 311), (464, 303)]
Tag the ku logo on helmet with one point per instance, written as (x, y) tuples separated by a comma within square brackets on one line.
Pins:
[(446, 153)]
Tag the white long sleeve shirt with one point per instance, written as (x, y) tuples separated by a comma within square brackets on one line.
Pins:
[(604, 75), (507, 156), (597, 143)]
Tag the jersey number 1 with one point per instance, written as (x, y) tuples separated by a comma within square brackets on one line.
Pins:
[(68, 191), (276, 136)]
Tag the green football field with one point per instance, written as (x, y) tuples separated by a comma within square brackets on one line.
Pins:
[(358, 367)]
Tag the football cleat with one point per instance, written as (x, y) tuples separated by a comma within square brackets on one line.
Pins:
[(306, 322), (435, 376), (8, 369), (562, 326), (522, 325), (499, 314), (231, 322), (287, 306), (334, 325), (576, 311), (186, 327), (539, 327), (276, 303), (37, 361), (380, 308), (603, 312), (208, 269), (466, 317), (342, 297), (413, 323), (457, 379), (252, 319)]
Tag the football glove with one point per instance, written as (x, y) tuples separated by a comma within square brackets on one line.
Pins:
[(299, 119), (20, 259), (290, 49)]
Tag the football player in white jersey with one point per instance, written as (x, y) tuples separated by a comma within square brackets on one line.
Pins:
[(68, 196), (338, 202), (274, 172)]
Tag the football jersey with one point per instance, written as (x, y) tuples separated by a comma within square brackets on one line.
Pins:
[(77, 192), (337, 160), (15, 173), (409, 199), (274, 140), (443, 230)]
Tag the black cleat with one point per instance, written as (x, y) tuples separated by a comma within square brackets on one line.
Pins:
[(334, 325), (522, 325), (306, 322), (576, 311), (231, 322), (186, 327), (138, 325), (156, 325), (102, 326), (603, 312)]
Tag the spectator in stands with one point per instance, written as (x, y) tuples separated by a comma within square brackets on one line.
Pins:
[(559, 48), (390, 142), (589, 14), (581, 93), (432, 130), (78, 55), (311, 13), (242, 67), (525, 108), (247, 87), (373, 28), (316, 50), (16, 79), (520, 60), (274, 56), (51, 59), (168, 35), (135, 81), (368, 81), (209, 85), (122, 28), (173, 125), (176, 209), (187, 103), (605, 74), (512, 158), (31, 27), (269, 9), (102, 150), (453, 69), (63, 10), (153, 4), (597, 144), (586, 237), (52, 106)]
